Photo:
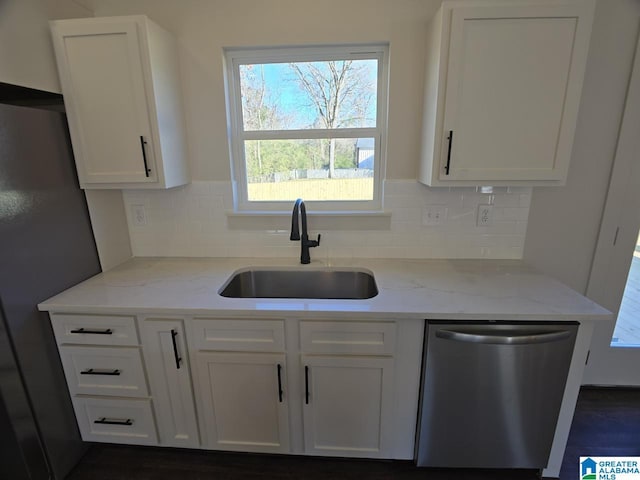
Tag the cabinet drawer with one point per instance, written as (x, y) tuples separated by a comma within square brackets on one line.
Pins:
[(104, 371), (239, 335), (357, 338), (115, 421), (94, 329)]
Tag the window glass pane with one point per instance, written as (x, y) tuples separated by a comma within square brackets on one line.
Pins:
[(305, 95), (283, 170)]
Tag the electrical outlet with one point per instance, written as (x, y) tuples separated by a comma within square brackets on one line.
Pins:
[(138, 215), (434, 215), (485, 215)]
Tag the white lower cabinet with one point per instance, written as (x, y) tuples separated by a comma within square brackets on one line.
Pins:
[(115, 420), (245, 401), (104, 370), (165, 352), (348, 406), (317, 387)]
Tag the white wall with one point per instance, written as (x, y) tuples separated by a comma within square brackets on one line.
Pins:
[(26, 52), (204, 27), (564, 222), (192, 221), (109, 224), (27, 59)]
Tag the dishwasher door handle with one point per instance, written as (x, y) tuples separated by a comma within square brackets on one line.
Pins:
[(503, 339)]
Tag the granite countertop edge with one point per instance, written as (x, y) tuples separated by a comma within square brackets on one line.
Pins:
[(408, 289)]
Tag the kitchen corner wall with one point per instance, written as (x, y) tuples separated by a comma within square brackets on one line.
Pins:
[(192, 221), (26, 53)]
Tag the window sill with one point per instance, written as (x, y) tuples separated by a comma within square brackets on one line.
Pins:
[(318, 221)]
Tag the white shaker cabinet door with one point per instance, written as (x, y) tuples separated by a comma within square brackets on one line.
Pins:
[(245, 401), (165, 354), (101, 68), (348, 406), (503, 91), (121, 85)]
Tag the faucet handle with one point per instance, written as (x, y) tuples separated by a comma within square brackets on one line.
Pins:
[(314, 243)]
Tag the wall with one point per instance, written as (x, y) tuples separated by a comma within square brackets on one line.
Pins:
[(204, 27), (564, 222), (27, 59), (193, 221), (26, 53)]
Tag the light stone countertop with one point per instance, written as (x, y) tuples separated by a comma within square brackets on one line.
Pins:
[(408, 288)]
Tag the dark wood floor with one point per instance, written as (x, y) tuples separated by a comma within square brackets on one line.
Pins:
[(607, 422)]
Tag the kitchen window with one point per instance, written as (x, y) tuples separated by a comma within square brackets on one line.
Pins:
[(307, 122)]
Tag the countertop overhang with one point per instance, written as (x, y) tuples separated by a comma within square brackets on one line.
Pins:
[(408, 288)]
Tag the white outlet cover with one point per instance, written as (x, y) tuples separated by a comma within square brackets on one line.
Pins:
[(138, 215), (434, 215), (485, 216)]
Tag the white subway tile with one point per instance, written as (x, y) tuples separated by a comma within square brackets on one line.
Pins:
[(192, 221)]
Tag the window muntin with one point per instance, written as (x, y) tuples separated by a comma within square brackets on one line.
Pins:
[(310, 123)]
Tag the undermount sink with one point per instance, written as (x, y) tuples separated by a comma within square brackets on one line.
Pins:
[(316, 284)]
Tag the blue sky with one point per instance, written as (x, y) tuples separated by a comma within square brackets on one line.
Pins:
[(282, 85)]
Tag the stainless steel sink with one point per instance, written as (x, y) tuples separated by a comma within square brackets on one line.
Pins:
[(330, 284)]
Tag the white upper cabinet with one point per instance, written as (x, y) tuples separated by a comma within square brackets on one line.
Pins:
[(122, 94), (503, 84)]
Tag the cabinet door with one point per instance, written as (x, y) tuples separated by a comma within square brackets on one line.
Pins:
[(245, 401), (102, 72), (348, 406), (514, 78), (165, 355)]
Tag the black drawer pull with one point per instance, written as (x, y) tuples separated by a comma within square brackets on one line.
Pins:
[(176, 356), (92, 371), (446, 167), (306, 385), (144, 156), (114, 421), (108, 331), (280, 392)]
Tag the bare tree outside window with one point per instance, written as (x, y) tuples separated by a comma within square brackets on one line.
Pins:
[(341, 92)]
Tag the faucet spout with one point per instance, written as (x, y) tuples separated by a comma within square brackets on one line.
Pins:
[(305, 243)]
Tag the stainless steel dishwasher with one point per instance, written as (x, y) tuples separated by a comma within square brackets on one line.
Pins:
[(491, 392)]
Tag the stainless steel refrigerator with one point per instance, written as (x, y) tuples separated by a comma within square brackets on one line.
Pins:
[(46, 246)]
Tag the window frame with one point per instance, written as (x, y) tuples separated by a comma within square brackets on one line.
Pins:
[(234, 57)]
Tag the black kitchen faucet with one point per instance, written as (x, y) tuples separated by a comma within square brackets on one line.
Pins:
[(305, 243)]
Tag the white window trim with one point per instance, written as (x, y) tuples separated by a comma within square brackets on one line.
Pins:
[(234, 57)]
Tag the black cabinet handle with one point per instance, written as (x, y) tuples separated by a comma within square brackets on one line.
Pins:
[(174, 334), (446, 167), (114, 421), (280, 383), (306, 385), (107, 331), (144, 156), (91, 371)]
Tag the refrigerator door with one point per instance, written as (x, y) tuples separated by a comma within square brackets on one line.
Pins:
[(46, 246), (21, 453)]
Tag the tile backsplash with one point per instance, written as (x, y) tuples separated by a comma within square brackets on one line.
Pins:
[(192, 221)]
